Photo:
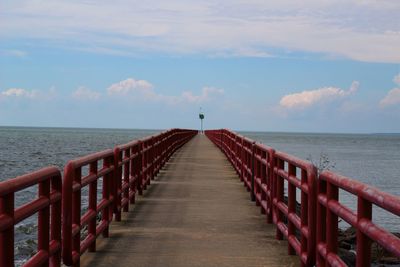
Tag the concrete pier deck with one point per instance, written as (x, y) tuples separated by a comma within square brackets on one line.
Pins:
[(195, 213)]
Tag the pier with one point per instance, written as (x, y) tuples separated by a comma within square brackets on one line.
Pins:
[(195, 213), (181, 198)]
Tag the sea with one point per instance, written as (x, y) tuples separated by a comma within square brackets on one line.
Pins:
[(373, 159)]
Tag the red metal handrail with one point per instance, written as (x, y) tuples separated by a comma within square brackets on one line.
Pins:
[(138, 162), (303, 223), (48, 207), (263, 178), (147, 152), (263, 172), (73, 222), (131, 167), (128, 162), (329, 209), (318, 230), (125, 170), (253, 163)]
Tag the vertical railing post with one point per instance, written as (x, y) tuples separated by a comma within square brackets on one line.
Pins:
[(258, 175), (332, 220), (117, 181), (291, 207), (253, 197), (93, 204), (127, 170), (140, 167), (76, 213), (107, 213), (43, 220), (321, 221), (279, 190), (220, 138), (150, 162), (304, 220), (243, 159), (151, 159), (238, 154), (55, 221), (67, 192), (263, 169), (133, 172), (364, 212), (144, 165), (312, 178), (271, 184), (7, 236)]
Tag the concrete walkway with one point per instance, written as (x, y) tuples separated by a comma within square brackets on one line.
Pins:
[(196, 213)]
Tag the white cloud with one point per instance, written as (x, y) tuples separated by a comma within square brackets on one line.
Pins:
[(309, 98), (396, 79), (37, 95), (18, 93), (131, 85), (361, 30), (392, 98), (144, 90), (83, 93)]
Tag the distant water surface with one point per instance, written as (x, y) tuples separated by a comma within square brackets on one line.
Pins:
[(24, 149)]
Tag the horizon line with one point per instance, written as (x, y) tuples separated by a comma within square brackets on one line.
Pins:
[(161, 129)]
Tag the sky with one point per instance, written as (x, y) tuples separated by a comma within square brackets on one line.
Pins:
[(257, 65)]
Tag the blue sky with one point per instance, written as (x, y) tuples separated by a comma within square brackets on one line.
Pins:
[(314, 66)]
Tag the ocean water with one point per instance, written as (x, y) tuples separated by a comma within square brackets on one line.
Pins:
[(370, 158)]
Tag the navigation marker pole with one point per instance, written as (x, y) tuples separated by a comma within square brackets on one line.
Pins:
[(201, 117)]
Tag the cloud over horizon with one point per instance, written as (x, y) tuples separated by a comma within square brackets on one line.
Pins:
[(393, 96), (18, 93), (215, 28), (309, 98), (144, 90), (131, 85)]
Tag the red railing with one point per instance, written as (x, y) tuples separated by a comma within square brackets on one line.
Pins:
[(244, 148), (117, 174), (263, 178), (138, 162), (299, 223), (128, 161), (263, 173), (73, 222), (126, 170), (310, 222), (330, 209), (130, 168), (147, 151), (48, 207)]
